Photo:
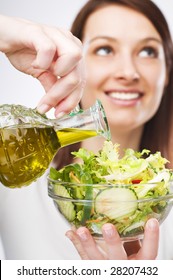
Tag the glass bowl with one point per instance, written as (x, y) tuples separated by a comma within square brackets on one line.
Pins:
[(92, 205)]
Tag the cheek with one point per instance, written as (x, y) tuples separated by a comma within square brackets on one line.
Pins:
[(95, 79), (154, 79), (96, 74), (155, 76), (158, 81)]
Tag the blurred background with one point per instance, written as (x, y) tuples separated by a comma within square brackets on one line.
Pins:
[(18, 88)]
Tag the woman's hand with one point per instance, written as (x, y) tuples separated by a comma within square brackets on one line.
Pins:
[(114, 249), (51, 55)]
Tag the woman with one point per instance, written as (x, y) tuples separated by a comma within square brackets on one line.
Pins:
[(128, 55)]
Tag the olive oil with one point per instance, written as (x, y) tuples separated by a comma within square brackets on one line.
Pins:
[(68, 136), (26, 151), (29, 140)]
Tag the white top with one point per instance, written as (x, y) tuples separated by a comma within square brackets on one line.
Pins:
[(32, 228), (166, 238), (30, 225)]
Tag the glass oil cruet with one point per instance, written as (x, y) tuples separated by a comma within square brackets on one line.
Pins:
[(29, 141)]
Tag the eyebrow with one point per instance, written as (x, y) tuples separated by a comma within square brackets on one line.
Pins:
[(115, 40), (152, 39), (101, 37)]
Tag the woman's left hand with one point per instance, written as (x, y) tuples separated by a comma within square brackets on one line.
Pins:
[(114, 249)]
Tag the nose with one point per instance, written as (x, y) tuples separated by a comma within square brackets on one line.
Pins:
[(125, 68)]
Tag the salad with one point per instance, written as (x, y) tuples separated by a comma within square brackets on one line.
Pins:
[(105, 188)]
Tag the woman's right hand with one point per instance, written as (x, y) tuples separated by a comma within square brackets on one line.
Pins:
[(114, 249), (51, 55)]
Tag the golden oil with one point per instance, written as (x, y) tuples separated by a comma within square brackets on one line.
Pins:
[(27, 151)]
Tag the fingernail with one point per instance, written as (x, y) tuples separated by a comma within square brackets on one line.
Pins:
[(152, 224), (59, 115), (68, 235), (43, 108), (108, 230), (83, 235)]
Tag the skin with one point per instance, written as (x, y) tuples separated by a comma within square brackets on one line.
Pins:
[(113, 248), (51, 55), (126, 70)]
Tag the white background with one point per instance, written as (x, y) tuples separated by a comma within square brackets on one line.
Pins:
[(16, 87)]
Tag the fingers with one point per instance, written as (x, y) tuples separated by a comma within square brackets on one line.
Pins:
[(114, 245), (46, 50), (57, 50), (111, 247), (69, 103), (77, 244), (88, 249), (69, 53), (85, 244), (150, 242), (63, 94), (53, 48)]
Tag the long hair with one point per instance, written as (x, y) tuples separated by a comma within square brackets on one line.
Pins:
[(158, 131)]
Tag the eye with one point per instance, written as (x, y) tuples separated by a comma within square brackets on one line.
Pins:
[(104, 51), (148, 52)]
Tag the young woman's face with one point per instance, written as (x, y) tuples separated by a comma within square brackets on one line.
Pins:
[(125, 65)]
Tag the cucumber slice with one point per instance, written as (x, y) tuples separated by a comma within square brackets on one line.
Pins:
[(88, 206), (116, 202), (67, 208), (134, 228)]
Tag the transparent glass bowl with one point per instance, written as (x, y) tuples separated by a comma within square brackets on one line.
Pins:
[(117, 204)]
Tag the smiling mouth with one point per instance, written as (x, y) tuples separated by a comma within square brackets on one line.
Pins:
[(125, 95)]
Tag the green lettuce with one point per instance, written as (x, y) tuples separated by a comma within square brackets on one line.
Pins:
[(145, 174)]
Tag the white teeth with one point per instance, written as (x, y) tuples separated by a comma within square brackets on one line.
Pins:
[(124, 96)]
